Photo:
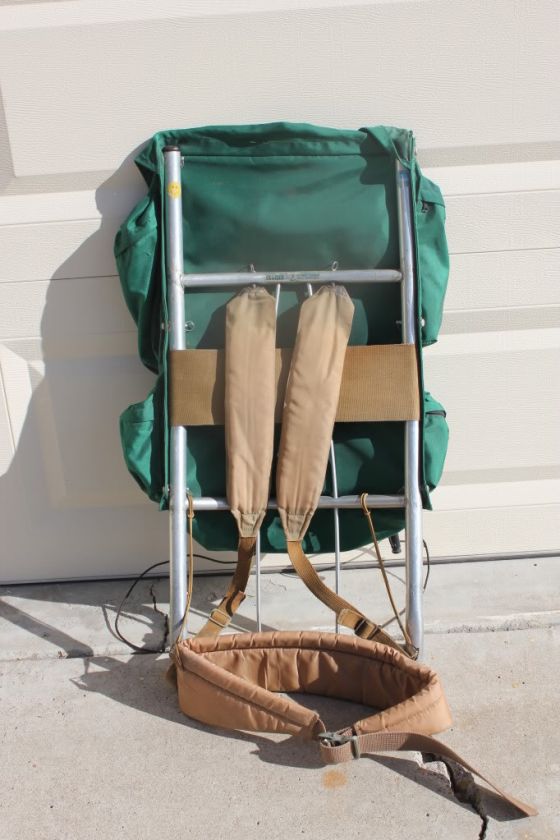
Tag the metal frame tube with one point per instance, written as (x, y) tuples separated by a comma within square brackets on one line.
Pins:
[(209, 503), (413, 510), (273, 278), (178, 434)]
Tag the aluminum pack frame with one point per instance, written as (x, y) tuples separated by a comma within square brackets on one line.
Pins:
[(178, 285)]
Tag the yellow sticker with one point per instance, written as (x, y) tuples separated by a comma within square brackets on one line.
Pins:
[(174, 189)]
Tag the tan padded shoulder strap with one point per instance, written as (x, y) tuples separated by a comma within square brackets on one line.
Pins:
[(250, 396), (312, 395), (312, 392)]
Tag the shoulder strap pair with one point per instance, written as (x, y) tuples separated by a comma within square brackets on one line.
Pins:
[(308, 416)]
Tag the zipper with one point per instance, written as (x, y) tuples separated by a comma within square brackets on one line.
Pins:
[(437, 412)]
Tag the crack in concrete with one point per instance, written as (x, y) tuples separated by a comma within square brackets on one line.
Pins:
[(466, 790), (276, 585), (459, 782)]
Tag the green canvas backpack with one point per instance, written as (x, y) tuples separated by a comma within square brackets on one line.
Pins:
[(291, 197)]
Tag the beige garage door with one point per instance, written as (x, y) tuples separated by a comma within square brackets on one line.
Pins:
[(84, 84)]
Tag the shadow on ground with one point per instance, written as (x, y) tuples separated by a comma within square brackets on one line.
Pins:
[(139, 681)]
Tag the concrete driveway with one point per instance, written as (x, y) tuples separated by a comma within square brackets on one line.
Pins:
[(93, 743)]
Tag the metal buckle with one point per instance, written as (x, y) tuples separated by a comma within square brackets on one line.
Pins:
[(365, 624), (337, 739)]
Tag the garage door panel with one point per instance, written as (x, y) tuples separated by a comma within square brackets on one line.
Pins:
[(503, 222), (498, 280), (502, 404), (64, 414), (55, 124), (76, 307), (82, 248), (83, 87), (495, 530)]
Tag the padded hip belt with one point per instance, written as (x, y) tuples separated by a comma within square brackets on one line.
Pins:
[(233, 681)]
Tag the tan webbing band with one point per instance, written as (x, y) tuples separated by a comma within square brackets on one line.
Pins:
[(221, 615), (379, 383)]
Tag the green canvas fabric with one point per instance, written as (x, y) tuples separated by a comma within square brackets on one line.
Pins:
[(282, 197)]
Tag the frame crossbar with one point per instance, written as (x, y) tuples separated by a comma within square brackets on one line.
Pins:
[(208, 503), (290, 278)]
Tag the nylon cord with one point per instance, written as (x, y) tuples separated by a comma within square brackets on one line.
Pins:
[(367, 514)]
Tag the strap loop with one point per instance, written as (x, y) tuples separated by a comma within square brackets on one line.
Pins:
[(366, 629), (224, 618)]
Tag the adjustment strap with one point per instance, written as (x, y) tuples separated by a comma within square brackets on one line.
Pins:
[(221, 615), (346, 614), (337, 747)]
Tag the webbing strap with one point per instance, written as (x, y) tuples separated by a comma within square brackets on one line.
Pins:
[(250, 394), (379, 383), (343, 746), (221, 615), (346, 613)]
